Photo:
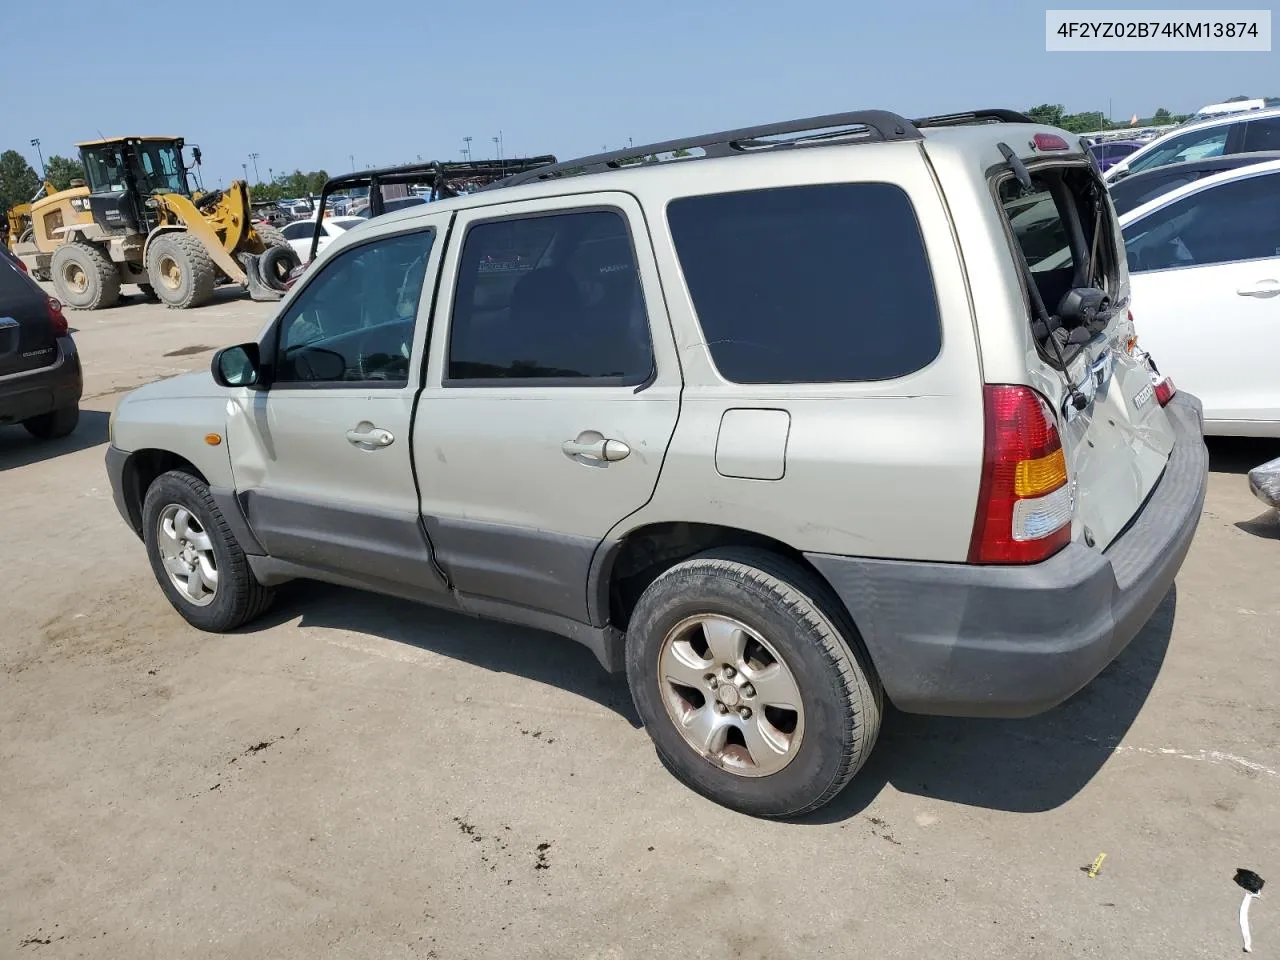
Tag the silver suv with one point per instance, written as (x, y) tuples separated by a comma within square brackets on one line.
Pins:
[(784, 422)]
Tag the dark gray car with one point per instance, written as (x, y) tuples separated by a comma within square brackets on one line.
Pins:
[(40, 377)]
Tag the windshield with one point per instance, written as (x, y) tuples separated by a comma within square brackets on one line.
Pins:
[(1196, 145), (160, 168)]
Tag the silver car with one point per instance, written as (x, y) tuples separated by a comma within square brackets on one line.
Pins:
[(783, 422)]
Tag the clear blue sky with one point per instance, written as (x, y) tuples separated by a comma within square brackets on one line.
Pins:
[(305, 84)]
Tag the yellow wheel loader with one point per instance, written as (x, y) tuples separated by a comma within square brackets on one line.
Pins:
[(136, 219)]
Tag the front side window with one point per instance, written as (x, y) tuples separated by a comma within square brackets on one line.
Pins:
[(161, 168), (550, 297), (811, 284), (299, 230), (354, 322), (1196, 145), (1237, 220)]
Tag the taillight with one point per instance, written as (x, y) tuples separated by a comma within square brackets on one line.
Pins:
[(1165, 391), (1024, 502), (56, 319), (1049, 141), (21, 266)]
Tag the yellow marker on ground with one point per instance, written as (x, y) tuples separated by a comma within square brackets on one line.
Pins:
[(1096, 865)]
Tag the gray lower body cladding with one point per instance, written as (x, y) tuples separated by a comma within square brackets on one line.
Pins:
[(35, 392), (963, 640)]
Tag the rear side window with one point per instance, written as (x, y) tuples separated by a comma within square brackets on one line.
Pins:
[(1262, 135), (812, 284), (555, 297)]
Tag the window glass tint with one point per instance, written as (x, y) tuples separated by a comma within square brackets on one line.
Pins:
[(1119, 150), (354, 322), (1133, 192), (552, 296), (1196, 145), (1239, 220), (814, 284), (1262, 135), (299, 230), (1037, 224)]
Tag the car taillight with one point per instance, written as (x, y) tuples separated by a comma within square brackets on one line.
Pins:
[(1165, 391), (56, 319), (1024, 502), (1049, 141), (21, 266)]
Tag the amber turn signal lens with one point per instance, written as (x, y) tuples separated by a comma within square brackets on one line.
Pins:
[(212, 439)]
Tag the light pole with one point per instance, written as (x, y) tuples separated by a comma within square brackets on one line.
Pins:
[(257, 177), (35, 142), (352, 158), (497, 151), (467, 149), (271, 175)]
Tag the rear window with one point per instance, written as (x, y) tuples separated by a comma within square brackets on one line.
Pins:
[(14, 284), (811, 284)]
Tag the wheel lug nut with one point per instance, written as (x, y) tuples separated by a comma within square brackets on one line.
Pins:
[(721, 708), (748, 690), (745, 713), (713, 682), (729, 672)]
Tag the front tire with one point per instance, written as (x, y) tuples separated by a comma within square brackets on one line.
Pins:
[(196, 559), (54, 424), (752, 682), (180, 270), (84, 277)]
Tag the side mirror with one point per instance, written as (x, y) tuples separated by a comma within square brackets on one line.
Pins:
[(195, 154), (236, 366)]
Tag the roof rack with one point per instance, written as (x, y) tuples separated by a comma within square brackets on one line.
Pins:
[(446, 179), (860, 125), (990, 115)]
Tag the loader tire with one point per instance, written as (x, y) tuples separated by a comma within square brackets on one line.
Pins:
[(271, 237), (276, 264), (84, 277), (180, 270)]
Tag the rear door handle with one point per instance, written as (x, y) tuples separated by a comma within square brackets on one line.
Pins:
[(603, 450), (368, 437), (1261, 289)]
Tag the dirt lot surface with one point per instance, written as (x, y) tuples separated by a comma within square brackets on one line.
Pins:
[(358, 777)]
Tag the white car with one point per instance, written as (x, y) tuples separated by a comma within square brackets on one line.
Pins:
[(300, 232), (1204, 268), (1245, 132)]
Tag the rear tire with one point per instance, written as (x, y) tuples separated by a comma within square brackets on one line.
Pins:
[(236, 596), (148, 293), (54, 424), (180, 270), (84, 277), (794, 643)]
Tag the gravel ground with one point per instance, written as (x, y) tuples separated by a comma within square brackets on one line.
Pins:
[(360, 777)]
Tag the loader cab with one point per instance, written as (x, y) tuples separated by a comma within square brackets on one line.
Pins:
[(124, 173)]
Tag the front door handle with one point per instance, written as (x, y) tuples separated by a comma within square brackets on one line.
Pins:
[(368, 437), (1262, 289), (602, 449)]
